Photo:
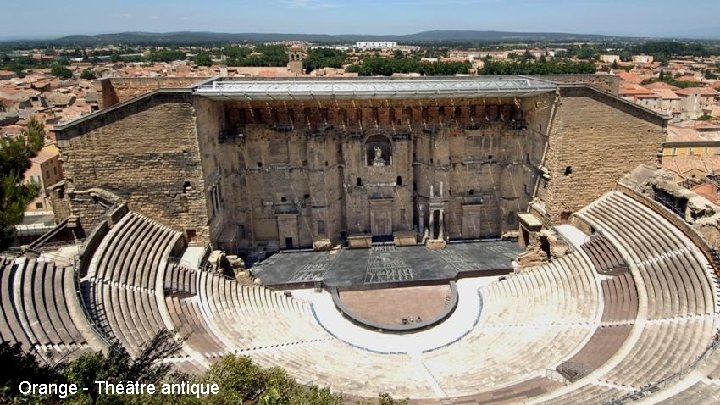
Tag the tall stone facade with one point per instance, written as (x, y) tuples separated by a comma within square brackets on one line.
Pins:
[(296, 172), (290, 172)]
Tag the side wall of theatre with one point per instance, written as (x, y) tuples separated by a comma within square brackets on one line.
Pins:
[(146, 153), (594, 140)]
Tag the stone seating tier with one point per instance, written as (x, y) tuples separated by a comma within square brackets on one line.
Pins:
[(41, 310), (674, 270), (120, 285), (605, 258)]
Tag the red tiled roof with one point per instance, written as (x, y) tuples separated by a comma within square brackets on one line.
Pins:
[(700, 91), (666, 94), (634, 89), (661, 85), (685, 164), (707, 190)]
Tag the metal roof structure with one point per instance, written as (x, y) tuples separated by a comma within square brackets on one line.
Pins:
[(368, 88)]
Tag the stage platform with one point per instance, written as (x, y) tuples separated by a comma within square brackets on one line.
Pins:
[(385, 266)]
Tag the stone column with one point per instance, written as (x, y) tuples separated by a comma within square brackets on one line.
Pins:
[(431, 224), (442, 225), (421, 220)]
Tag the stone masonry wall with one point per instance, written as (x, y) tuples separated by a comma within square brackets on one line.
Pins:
[(119, 89), (314, 160), (209, 116), (605, 83), (145, 152), (594, 140)]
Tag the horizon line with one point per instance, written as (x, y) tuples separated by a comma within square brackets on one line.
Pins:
[(55, 37)]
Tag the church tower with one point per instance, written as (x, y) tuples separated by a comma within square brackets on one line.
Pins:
[(296, 56)]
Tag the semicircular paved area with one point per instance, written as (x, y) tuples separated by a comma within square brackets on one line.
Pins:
[(460, 322)]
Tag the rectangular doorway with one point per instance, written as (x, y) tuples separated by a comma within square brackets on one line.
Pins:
[(288, 243)]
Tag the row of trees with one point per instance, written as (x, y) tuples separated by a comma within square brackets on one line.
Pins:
[(15, 154), (320, 58), (19, 65), (239, 380), (672, 48), (540, 67), (376, 66), (261, 55)]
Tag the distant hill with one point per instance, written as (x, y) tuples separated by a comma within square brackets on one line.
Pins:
[(191, 37)]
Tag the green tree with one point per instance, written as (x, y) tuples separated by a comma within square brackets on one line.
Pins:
[(375, 66), (537, 67), (19, 366), (705, 117), (386, 399), (614, 64), (164, 55), (61, 72), (203, 59), (118, 366), (87, 74), (242, 381), (15, 154), (319, 58), (586, 52)]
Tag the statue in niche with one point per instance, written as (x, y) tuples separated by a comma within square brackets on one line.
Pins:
[(378, 151), (378, 160)]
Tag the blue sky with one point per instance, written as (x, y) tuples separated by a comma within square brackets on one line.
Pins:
[(615, 17)]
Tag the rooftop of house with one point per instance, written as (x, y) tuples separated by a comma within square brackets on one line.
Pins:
[(693, 131), (697, 91), (661, 85), (683, 165), (707, 190), (631, 89), (666, 94), (46, 153)]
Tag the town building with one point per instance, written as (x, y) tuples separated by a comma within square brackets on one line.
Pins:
[(376, 44), (45, 170)]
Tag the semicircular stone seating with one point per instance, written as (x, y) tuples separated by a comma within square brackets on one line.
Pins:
[(634, 305), (677, 318), (41, 310), (120, 286), (557, 310)]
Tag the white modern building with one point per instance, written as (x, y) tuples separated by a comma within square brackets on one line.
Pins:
[(376, 45)]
